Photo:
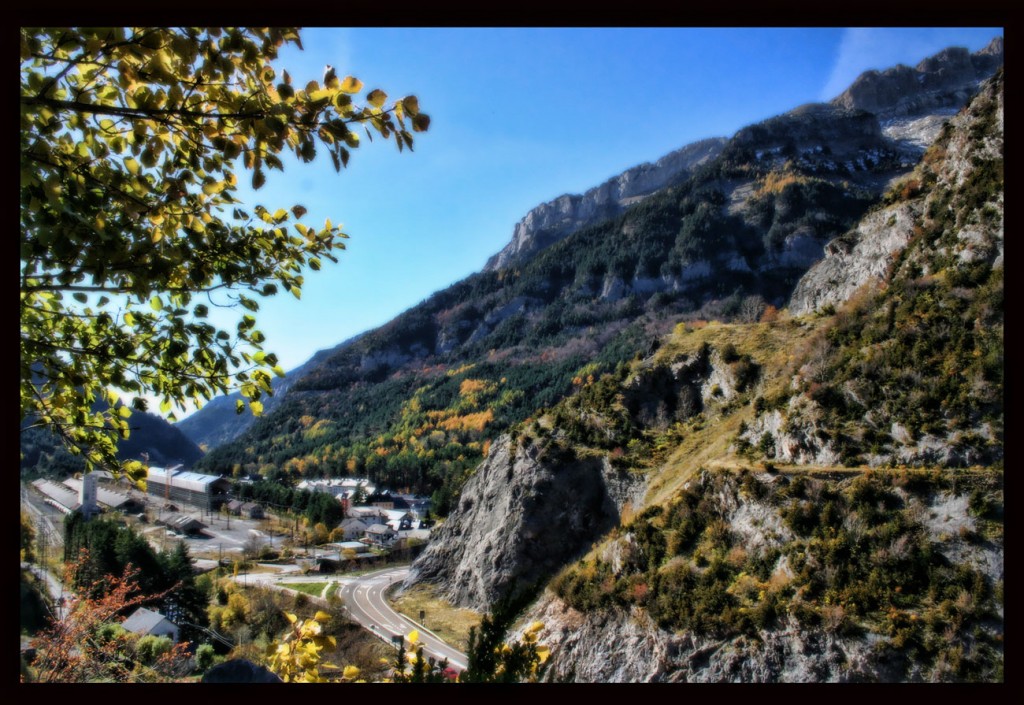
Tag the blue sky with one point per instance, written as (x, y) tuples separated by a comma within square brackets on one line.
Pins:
[(519, 117)]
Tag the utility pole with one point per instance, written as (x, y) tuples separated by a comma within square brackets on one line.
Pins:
[(42, 541)]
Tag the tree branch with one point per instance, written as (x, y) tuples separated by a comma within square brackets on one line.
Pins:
[(134, 113)]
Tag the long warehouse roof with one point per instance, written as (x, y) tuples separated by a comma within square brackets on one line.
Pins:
[(103, 495), (197, 482), (58, 493)]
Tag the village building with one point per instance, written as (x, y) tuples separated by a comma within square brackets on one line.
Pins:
[(399, 519), (181, 523), (108, 499), (369, 515), (147, 622), (380, 535), (176, 485), (353, 528), (252, 510)]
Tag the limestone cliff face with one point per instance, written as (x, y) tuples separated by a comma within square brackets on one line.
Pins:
[(974, 141), (853, 259), (619, 646), (550, 222), (524, 513)]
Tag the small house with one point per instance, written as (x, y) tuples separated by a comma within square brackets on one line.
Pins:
[(252, 510), (380, 535), (399, 520), (143, 621), (353, 528), (369, 515)]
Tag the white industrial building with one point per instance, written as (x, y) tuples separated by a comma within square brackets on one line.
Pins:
[(177, 485)]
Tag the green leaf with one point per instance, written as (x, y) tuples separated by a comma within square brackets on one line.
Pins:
[(155, 303), (81, 298), (165, 406)]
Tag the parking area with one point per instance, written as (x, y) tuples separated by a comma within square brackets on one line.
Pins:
[(223, 536)]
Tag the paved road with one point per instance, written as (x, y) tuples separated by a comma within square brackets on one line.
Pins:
[(366, 604)]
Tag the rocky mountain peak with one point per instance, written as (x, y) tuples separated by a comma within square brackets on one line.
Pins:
[(974, 139), (944, 80)]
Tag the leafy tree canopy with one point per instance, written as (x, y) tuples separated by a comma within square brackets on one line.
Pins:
[(132, 141)]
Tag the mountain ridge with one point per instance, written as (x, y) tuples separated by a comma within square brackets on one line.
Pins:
[(746, 561), (549, 222)]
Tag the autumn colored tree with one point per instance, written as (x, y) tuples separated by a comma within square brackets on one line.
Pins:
[(88, 645), (132, 141)]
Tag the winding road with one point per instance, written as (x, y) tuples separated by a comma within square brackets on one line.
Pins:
[(366, 604)]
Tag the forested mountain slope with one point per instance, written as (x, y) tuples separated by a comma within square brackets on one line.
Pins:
[(417, 402), (813, 497), (43, 454)]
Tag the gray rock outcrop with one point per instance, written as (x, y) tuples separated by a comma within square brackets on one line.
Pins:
[(525, 512), (853, 259), (618, 646), (866, 253)]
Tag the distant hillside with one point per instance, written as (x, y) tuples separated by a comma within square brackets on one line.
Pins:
[(44, 455), (218, 421)]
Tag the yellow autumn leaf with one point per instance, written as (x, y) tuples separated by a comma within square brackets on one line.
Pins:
[(351, 84), (414, 636), (351, 672)]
